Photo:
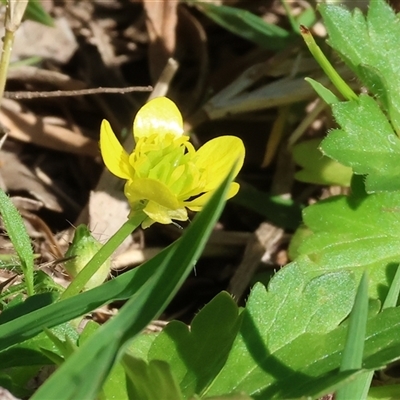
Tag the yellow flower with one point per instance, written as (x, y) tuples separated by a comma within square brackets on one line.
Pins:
[(165, 175)]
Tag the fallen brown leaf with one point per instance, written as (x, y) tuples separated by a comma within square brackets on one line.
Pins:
[(161, 25), (28, 127)]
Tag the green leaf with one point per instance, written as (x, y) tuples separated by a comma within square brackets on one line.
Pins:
[(280, 211), (293, 307), (208, 342), (317, 168), (29, 352), (96, 357), (248, 26), (18, 380), (285, 350), (151, 381), (114, 387), (394, 290), (343, 88), (298, 238), (140, 345), (66, 347), (19, 237), (16, 308), (387, 392), (354, 234), (323, 92), (370, 46), (307, 17), (232, 396), (366, 143), (36, 12)]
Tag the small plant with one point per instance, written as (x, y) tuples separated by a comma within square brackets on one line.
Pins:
[(164, 174), (327, 320)]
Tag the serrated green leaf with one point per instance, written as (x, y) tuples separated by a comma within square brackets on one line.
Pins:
[(355, 234), (366, 142), (318, 168), (305, 362), (370, 46), (273, 321), (247, 25), (208, 342)]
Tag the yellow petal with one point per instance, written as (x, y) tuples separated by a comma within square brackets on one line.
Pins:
[(217, 157), (114, 155), (163, 215), (198, 203), (147, 223), (151, 190), (159, 116)]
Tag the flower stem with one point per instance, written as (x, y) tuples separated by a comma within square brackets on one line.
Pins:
[(13, 17), (330, 71), (102, 255), (5, 60)]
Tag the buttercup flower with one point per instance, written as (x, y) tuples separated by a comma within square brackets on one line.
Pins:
[(164, 174)]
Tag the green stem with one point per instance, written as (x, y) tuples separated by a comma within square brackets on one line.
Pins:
[(293, 22), (319, 56), (15, 10), (102, 255), (5, 60)]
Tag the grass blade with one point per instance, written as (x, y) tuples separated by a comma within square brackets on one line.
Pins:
[(354, 346), (247, 25), (390, 301)]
